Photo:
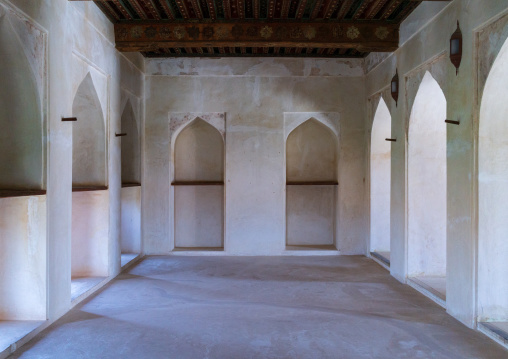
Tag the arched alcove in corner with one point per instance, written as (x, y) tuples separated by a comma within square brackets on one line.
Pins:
[(22, 214), (311, 186), (130, 229), (199, 186), (90, 200), (427, 188), (380, 185), (493, 195)]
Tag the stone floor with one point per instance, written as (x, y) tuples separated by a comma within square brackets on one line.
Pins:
[(258, 307), (435, 284), (81, 285)]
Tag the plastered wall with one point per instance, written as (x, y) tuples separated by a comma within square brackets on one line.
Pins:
[(427, 50), (131, 220), (254, 94), (90, 227), (60, 43), (23, 263)]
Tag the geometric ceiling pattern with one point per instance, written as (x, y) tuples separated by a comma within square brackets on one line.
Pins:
[(321, 19)]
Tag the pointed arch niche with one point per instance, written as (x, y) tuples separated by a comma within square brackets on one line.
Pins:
[(427, 189), (23, 263), (198, 157), (493, 197), (380, 183), (90, 199), (130, 229), (311, 180)]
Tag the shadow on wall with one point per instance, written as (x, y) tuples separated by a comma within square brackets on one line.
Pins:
[(21, 122), (131, 156), (130, 229)]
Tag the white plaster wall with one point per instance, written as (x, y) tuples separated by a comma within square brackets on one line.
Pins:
[(75, 33), (130, 232), (23, 258), (199, 216), (427, 181), (310, 215), (493, 195), (90, 234), (380, 175), (255, 94), (460, 91)]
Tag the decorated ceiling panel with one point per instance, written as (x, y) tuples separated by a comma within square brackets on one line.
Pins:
[(291, 28)]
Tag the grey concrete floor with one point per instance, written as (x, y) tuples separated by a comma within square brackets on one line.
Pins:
[(258, 307)]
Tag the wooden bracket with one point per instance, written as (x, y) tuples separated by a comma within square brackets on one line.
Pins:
[(452, 122), (69, 119), (391, 139), (120, 134)]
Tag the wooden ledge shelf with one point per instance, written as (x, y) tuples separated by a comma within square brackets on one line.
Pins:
[(198, 183), (125, 185), (6, 193), (89, 188), (312, 184)]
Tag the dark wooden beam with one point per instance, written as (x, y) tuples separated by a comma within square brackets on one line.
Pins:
[(362, 36)]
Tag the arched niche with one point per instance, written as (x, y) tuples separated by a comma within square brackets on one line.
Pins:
[(88, 138), (199, 189), (131, 155), (21, 122), (493, 194), (427, 185), (311, 191), (311, 153), (199, 153), (380, 177)]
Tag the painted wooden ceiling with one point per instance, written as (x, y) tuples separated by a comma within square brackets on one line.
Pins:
[(237, 13)]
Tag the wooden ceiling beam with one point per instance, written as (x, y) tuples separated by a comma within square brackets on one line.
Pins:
[(362, 36)]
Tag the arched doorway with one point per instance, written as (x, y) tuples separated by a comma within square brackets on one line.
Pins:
[(380, 185), (427, 189), (311, 185), (493, 196)]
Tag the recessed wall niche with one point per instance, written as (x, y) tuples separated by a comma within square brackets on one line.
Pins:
[(23, 263), (311, 179), (90, 198), (130, 230), (198, 161)]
